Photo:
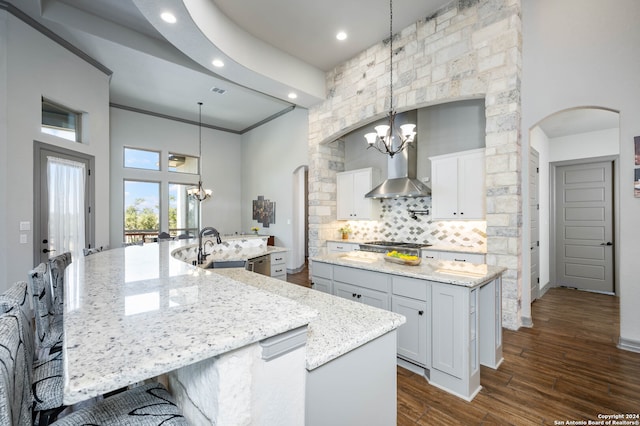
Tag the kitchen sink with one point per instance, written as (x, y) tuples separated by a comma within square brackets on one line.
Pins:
[(226, 264)]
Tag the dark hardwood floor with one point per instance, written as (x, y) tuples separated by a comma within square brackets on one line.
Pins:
[(566, 368)]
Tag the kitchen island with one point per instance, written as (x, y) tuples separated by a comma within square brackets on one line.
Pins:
[(453, 311), (233, 353)]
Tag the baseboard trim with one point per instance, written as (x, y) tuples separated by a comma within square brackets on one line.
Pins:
[(629, 345), (526, 322)]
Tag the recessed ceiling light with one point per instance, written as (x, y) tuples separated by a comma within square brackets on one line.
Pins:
[(292, 95), (341, 35), (168, 17), (217, 63)]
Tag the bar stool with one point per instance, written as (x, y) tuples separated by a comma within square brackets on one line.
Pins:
[(48, 325), (57, 266), (44, 375)]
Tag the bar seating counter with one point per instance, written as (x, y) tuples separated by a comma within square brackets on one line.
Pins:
[(139, 312)]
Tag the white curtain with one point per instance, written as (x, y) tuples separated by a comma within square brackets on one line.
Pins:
[(66, 206)]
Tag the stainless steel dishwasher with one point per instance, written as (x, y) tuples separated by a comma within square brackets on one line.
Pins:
[(261, 265)]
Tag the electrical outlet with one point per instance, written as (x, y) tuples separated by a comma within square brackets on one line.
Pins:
[(23, 238), (25, 226)]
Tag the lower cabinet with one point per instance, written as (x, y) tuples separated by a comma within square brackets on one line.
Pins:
[(455, 353), (335, 247), (411, 297), (455, 256), (364, 295), (322, 277), (444, 321), (412, 335), (279, 266)]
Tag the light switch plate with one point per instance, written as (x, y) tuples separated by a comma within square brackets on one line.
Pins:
[(25, 226), (23, 238)]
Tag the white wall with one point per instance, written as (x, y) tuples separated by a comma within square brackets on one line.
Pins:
[(220, 166), (32, 66), (585, 145), (270, 155), (540, 143), (577, 54)]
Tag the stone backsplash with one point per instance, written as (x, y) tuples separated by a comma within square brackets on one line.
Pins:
[(396, 224)]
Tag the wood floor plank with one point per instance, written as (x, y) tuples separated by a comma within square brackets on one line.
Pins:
[(565, 368)]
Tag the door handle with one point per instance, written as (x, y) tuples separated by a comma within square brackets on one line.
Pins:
[(47, 250), (608, 243)]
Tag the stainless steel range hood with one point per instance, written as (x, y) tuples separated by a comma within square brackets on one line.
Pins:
[(401, 177)]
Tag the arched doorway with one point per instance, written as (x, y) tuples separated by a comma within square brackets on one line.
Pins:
[(572, 141)]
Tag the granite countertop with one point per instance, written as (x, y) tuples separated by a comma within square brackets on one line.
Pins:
[(449, 272), (341, 325), (137, 312)]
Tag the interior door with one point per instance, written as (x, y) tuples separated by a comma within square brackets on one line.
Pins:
[(44, 201), (584, 242), (534, 217)]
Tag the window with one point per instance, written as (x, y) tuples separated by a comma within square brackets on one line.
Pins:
[(183, 211), (141, 210), (183, 163), (141, 159), (60, 121)]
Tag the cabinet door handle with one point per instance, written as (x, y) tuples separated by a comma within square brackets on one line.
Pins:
[(312, 283), (460, 260), (359, 296), (454, 213), (420, 312), (429, 257), (353, 295), (461, 212)]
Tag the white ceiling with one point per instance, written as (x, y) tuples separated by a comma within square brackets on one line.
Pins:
[(270, 48), (150, 73), (579, 120)]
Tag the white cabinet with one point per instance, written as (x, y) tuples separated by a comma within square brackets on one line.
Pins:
[(322, 277), (336, 247), (364, 295), (462, 257), (452, 255), (430, 254), (368, 287), (454, 336), (351, 189), (279, 266), (410, 297), (457, 185)]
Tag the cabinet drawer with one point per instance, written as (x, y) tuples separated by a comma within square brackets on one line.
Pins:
[(411, 287), (462, 257), (278, 258), (362, 278), (323, 270), (429, 254), (334, 247), (278, 270)]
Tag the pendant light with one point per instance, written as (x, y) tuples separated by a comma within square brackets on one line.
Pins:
[(199, 193), (387, 138)]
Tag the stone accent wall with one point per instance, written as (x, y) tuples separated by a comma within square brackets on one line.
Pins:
[(469, 49)]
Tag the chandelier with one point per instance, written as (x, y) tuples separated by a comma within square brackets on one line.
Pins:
[(199, 193), (387, 138)]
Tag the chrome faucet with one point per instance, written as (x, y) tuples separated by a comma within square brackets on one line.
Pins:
[(209, 231)]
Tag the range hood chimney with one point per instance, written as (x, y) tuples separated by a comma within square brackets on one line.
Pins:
[(401, 177)]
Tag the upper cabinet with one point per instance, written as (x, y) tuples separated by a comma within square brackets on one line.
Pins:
[(457, 186), (351, 188)]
